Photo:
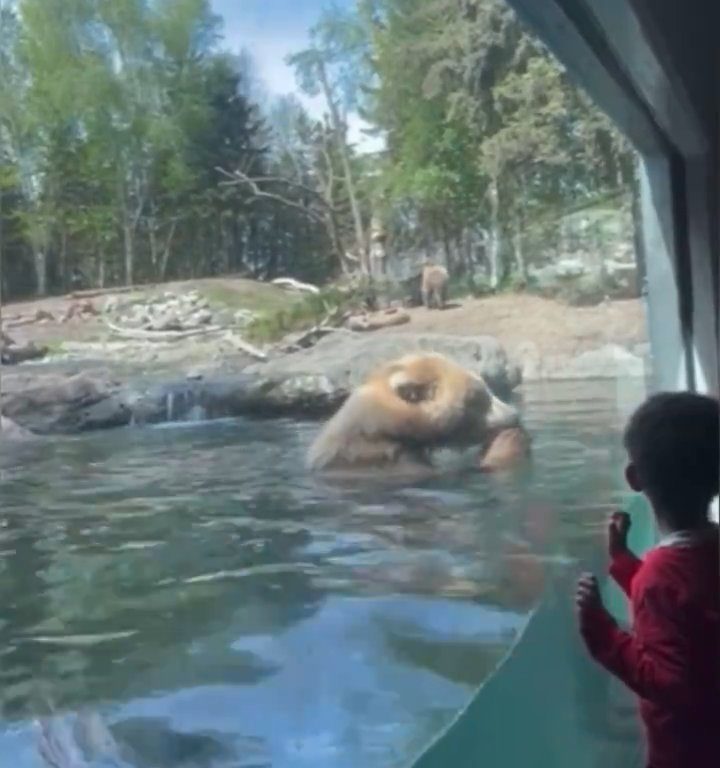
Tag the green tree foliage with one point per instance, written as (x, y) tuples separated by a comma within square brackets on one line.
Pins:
[(485, 131), (131, 148), (114, 117)]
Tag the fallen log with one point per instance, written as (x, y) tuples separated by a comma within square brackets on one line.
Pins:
[(377, 320), (305, 339), (140, 334), (296, 285), (17, 322), (39, 316), (91, 293), (245, 346)]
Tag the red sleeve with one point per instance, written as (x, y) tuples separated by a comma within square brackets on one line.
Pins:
[(623, 569), (652, 660)]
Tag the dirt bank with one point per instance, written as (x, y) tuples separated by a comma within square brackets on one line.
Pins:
[(514, 319), (554, 328)]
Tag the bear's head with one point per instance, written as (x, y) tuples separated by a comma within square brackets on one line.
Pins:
[(407, 407)]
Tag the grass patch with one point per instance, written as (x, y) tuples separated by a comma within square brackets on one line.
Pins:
[(246, 294), (53, 346), (304, 313)]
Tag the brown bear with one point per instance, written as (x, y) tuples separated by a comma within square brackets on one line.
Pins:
[(505, 449), (406, 408), (434, 285)]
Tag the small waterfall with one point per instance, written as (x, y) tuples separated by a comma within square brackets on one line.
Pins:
[(181, 405), (196, 413), (170, 406), (181, 402)]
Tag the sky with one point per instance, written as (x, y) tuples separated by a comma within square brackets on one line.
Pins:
[(272, 29)]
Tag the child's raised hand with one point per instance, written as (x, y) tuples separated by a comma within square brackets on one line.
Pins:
[(618, 528), (587, 597)]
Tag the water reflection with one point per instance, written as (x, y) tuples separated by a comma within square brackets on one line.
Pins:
[(196, 583)]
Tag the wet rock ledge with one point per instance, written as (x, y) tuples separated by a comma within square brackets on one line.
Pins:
[(310, 383)]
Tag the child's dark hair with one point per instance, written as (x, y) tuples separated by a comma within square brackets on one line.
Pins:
[(673, 439)]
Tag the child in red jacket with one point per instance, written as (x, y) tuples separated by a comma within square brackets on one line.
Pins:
[(671, 658)]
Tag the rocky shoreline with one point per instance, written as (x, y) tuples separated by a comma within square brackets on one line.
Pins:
[(72, 396)]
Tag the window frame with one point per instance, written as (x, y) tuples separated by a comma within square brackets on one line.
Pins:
[(618, 52)]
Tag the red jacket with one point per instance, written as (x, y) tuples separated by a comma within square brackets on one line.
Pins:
[(671, 659)]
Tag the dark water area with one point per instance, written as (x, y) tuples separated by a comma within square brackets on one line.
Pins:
[(219, 607)]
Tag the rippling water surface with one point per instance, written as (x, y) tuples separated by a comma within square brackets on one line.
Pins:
[(219, 607)]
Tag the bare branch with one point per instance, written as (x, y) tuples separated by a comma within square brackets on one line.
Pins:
[(237, 178)]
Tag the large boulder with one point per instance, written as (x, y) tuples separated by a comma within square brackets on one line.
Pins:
[(9, 430), (610, 361), (12, 353), (61, 403), (319, 378)]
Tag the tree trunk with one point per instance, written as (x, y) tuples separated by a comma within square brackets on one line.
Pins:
[(520, 267), (494, 238), (152, 240), (130, 226), (165, 259), (1, 251), (339, 131), (224, 246), (447, 248), (101, 269), (63, 259), (129, 244), (40, 263)]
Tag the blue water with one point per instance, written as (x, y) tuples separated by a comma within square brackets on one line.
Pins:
[(219, 607)]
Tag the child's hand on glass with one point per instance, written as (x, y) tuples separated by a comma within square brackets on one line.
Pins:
[(587, 598), (618, 528)]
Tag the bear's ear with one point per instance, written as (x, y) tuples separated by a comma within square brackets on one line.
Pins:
[(412, 392)]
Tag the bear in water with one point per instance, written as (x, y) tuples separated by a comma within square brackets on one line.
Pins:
[(406, 408), (505, 449)]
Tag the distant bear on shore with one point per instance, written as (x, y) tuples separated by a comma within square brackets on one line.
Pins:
[(434, 286)]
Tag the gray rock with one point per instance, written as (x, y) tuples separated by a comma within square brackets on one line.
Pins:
[(608, 362), (311, 383), (611, 361), (9, 430), (322, 376), (65, 403), (201, 317), (167, 322), (582, 282)]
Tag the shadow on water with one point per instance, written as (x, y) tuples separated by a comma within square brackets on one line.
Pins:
[(219, 606)]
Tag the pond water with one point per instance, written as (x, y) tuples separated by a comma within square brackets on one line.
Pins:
[(220, 607)]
